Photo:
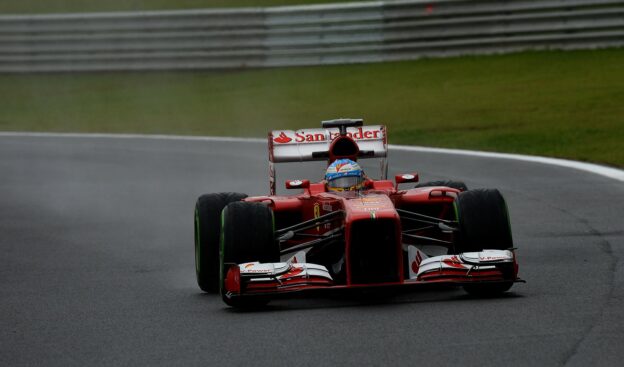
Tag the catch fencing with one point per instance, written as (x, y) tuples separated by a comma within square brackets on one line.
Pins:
[(302, 35)]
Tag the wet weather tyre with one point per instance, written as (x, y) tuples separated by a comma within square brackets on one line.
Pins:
[(483, 221), (207, 234), (459, 185), (248, 234), (483, 224)]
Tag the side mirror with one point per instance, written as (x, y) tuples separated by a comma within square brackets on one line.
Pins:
[(405, 178), (297, 184)]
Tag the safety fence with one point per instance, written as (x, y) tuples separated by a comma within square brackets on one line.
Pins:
[(303, 35)]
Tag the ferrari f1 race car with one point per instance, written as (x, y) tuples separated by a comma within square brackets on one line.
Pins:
[(374, 235)]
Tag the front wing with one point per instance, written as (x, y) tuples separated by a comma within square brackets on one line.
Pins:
[(276, 280)]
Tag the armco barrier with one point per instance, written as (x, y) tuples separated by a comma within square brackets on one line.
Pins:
[(303, 35)]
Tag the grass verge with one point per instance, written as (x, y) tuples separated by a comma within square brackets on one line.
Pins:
[(560, 104)]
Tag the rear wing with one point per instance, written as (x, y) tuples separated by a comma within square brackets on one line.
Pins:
[(314, 145)]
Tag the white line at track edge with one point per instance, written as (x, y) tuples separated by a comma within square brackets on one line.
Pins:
[(604, 171)]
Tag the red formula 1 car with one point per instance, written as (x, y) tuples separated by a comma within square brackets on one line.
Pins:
[(252, 249)]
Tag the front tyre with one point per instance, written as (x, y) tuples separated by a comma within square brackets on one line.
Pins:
[(247, 234), (483, 221), (207, 233)]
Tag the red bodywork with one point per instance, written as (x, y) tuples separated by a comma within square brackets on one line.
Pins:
[(371, 215)]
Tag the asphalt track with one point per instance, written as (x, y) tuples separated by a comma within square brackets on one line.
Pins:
[(96, 266)]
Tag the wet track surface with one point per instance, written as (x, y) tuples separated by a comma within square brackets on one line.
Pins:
[(96, 266)]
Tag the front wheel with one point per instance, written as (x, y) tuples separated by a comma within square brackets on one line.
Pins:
[(207, 233), (483, 224), (247, 235), (483, 221)]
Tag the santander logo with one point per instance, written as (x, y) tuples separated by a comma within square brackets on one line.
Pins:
[(317, 135), (282, 138)]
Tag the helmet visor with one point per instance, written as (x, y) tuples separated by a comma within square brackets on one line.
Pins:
[(345, 183)]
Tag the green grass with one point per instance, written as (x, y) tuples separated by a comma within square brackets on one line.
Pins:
[(561, 104), (73, 6)]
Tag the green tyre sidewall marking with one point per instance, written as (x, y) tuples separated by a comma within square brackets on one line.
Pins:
[(197, 243)]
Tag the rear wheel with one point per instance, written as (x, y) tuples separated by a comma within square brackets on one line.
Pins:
[(459, 185), (483, 224), (207, 232), (247, 235)]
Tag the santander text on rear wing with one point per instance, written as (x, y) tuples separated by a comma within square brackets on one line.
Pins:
[(314, 144)]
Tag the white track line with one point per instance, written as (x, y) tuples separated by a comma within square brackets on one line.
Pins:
[(614, 173), (604, 171)]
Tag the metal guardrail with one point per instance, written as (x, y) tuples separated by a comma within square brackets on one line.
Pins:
[(303, 35)]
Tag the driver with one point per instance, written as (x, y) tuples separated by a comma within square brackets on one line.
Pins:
[(344, 175)]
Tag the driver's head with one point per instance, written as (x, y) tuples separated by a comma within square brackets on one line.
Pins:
[(344, 175)]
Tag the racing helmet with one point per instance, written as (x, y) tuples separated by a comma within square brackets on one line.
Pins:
[(344, 175)]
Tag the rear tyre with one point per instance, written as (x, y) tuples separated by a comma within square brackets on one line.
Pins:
[(483, 224), (207, 233), (247, 234), (459, 185)]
